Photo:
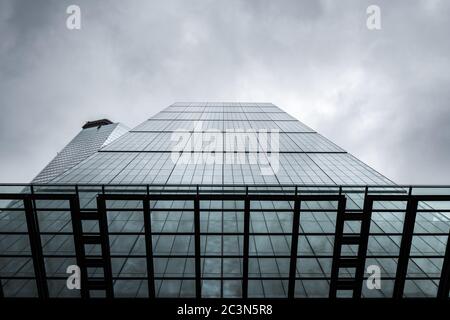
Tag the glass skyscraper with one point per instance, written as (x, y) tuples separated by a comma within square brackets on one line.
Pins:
[(219, 200), (143, 155)]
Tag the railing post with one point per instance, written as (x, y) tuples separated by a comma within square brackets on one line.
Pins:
[(294, 248), (405, 247), (36, 248), (246, 247), (198, 269), (149, 248), (1, 290)]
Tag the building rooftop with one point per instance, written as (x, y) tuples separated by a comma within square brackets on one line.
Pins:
[(97, 123)]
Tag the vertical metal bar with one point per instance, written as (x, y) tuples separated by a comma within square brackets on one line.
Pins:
[(294, 249), (246, 247), (103, 228), (38, 242), (149, 248), (340, 219), (405, 247), (444, 282), (2, 295), (362, 249), (222, 214), (77, 229), (36, 248), (198, 269)]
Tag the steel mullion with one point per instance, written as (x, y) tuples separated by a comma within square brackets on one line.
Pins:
[(246, 248), (197, 244), (405, 247), (294, 249), (36, 248), (149, 248)]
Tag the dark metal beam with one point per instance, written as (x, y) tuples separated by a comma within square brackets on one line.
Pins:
[(405, 247), (294, 249), (197, 243), (36, 248), (246, 248), (2, 295), (149, 249)]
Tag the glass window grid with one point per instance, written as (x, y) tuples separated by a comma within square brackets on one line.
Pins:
[(269, 220)]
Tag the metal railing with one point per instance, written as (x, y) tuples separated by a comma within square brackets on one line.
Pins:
[(349, 218)]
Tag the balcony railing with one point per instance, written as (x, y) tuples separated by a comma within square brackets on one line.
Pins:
[(237, 241)]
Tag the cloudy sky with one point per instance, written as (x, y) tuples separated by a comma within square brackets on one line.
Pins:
[(383, 95)]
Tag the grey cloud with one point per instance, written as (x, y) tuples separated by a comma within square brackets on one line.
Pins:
[(382, 95)]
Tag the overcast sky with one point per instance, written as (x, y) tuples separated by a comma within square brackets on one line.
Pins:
[(383, 95)]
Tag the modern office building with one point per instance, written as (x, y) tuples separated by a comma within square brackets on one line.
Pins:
[(94, 136), (220, 200)]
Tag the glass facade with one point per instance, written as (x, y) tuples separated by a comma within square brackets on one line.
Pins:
[(243, 243), (143, 155), (86, 143)]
